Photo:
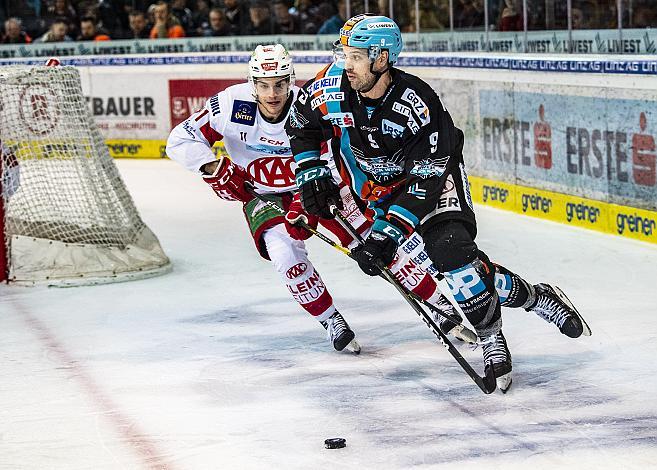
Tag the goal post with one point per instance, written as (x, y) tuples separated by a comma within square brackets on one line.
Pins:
[(66, 216)]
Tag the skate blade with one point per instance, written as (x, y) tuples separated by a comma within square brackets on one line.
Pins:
[(586, 331), (354, 347), (504, 382)]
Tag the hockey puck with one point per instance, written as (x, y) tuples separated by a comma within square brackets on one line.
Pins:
[(335, 443)]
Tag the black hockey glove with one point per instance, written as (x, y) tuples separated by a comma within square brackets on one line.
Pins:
[(378, 250), (318, 191)]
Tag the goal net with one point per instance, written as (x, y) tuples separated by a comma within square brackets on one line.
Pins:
[(66, 217)]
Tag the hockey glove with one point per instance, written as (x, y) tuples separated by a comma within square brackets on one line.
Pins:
[(227, 181), (318, 191), (295, 214), (379, 248)]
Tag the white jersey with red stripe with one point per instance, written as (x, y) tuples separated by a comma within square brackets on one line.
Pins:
[(232, 116)]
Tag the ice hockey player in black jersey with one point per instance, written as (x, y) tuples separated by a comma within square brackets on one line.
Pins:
[(396, 145)]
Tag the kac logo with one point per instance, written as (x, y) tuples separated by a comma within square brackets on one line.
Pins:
[(296, 270)]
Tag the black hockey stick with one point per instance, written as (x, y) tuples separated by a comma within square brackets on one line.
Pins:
[(465, 333), (487, 383)]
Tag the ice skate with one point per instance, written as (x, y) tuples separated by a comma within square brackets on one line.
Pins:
[(553, 306), (497, 355), (339, 333)]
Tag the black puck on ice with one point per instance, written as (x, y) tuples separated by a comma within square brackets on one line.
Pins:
[(335, 443)]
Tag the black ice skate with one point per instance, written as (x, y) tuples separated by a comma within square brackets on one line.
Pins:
[(339, 333), (553, 306), (497, 355)]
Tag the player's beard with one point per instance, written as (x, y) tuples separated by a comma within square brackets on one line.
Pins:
[(363, 84)]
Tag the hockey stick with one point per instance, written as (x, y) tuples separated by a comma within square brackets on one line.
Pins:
[(459, 329), (487, 383)]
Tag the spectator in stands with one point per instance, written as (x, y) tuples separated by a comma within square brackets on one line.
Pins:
[(577, 18), (165, 24), (469, 14), (201, 17), (403, 12), (260, 16), (14, 33), (184, 15), (237, 16), (112, 17), (138, 27), (286, 23), (335, 22), (219, 26), (57, 32), (62, 9), (511, 16), (308, 14), (89, 30), (644, 15)]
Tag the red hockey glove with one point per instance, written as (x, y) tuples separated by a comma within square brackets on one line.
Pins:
[(227, 181), (295, 213)]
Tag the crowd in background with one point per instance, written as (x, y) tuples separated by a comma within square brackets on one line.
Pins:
[(25, 21)]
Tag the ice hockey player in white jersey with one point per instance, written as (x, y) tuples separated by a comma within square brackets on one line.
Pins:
[(249, 118)]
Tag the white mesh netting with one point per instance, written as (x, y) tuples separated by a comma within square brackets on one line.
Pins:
[(68, 216)]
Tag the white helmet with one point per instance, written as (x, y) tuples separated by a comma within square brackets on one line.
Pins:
[(271, 60)]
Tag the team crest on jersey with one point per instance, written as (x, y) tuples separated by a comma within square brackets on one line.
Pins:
[(244, 112), (381, 168), (272, 172), (427, 168)]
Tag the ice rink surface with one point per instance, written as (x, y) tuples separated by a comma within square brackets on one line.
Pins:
[(215, 367)]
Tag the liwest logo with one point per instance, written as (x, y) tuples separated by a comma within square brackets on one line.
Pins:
[(244, 112), (582, 212), (536, 203), (494, 193), (635, 224)]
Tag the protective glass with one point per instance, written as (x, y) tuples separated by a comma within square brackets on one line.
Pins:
[(355, 56)]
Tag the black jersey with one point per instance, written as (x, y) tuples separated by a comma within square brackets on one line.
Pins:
[(401, 156)]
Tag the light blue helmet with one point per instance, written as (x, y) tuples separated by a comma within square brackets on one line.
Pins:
[(375, 33)]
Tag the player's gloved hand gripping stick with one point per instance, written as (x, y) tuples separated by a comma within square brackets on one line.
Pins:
[(459, 330), (487, 383)]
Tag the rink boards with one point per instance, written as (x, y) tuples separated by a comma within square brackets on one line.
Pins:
[(564, 138), (590, 214)]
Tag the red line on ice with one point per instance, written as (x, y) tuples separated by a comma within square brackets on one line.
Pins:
[(145, 448)]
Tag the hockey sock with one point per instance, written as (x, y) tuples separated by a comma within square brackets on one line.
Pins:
[(513, 290), (473, 289)]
